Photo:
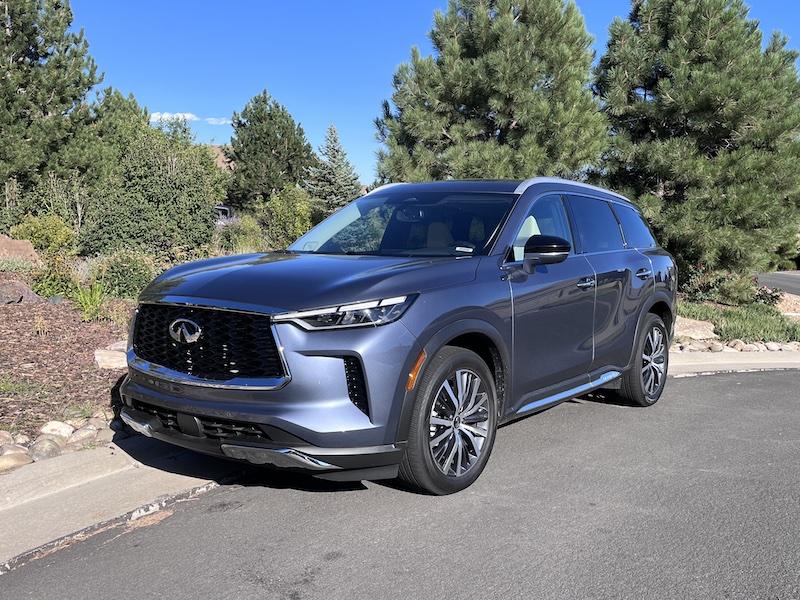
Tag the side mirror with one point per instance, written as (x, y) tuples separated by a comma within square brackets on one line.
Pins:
[(544, 250)]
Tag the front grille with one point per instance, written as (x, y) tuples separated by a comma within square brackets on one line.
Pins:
[(221, 430), (230, 345)]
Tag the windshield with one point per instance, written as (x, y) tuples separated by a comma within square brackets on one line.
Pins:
[(403, 223)]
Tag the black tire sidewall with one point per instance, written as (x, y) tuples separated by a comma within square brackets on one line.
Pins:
[(426, 472)]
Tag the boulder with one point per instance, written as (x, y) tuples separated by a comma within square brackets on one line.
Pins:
[(694, 330), (18, 249), (14, 292)]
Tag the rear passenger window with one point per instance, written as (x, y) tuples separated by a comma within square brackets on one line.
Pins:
[(598, 228), (637, 233)]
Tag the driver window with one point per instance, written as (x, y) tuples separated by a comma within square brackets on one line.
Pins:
[(546, 217)]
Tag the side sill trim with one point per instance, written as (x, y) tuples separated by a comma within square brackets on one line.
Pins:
[(578, 391)]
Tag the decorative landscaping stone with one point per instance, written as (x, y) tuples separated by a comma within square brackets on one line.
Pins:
[(98, 423), (83, 436), (58, 428), (12, 449), (44, 449), (694, 330), (750, 348), (716, 347), (9, 462), (110, 359), (14, 292), (70, 448), (736, 345), (58, 439), (104, 436), (773, 346), (5, 438), (22, 440)]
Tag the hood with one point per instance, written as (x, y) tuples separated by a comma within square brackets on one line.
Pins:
[(281, 282)]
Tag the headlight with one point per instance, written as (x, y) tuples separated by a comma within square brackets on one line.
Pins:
[(363, 314)]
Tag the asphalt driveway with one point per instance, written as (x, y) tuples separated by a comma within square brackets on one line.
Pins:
[(696, 497)]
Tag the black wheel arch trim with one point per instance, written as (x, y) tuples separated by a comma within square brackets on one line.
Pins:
[(438, 340)]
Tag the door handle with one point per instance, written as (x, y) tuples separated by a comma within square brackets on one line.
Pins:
[(586, 284), (644, 273)]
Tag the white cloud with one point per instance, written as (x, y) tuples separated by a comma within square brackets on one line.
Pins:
[(165, 116), (217, 121)]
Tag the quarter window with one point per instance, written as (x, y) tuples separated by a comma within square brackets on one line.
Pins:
[(637, 233)]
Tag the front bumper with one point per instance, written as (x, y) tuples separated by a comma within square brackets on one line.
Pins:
[(339, 464)]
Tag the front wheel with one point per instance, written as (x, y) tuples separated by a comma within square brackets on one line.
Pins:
[(644, 382), (453, 424)]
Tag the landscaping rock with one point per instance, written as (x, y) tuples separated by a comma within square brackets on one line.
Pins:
[(44, 449), (57, 428), (14, 292), (18, 249), (9, 462), (695, 330), (5, 438), (98, 423), (22, 439), (12, 449), (750, 348), (83, 436), (716, 347), (773, 346), (110, 359), (104, 436), (58, 439)]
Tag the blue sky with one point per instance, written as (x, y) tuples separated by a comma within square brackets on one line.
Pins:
[(325, 61)]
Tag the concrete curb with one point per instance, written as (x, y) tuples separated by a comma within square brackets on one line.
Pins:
[(49, 504)]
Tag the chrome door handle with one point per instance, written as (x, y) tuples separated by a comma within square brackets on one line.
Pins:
[(585, 284), (644, 273)]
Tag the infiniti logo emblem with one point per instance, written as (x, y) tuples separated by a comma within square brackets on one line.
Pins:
[(185, 331)]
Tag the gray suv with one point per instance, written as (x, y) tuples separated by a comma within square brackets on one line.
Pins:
[(398, 334)]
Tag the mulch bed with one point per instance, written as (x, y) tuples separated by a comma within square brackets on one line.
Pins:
[(47, 368)]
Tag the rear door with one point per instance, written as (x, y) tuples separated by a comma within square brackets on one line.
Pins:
[(623, 279)]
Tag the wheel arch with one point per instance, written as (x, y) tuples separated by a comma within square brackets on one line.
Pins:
[(477, 336)]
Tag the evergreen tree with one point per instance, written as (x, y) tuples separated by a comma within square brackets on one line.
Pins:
[(333, 180), (48, 74), (506, 96), (269, 151), (705, 124)]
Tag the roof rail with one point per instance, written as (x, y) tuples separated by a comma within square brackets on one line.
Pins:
[(524, 185)]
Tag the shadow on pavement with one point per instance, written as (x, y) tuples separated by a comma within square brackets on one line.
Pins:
[(166, 457)]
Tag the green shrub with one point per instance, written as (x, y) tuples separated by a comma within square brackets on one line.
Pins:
[(90, 299), (48, 234), (239, 235), (55, 278), (126, 272)]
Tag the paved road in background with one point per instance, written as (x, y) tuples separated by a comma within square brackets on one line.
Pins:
[(696, 497), (788, 281)]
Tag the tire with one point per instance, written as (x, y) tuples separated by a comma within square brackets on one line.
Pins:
[(644, 382), (453, 424)]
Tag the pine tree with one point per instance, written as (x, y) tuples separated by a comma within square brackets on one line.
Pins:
[(705, 123), (505, 96), (269, 151), (333, 180), (47, 76)]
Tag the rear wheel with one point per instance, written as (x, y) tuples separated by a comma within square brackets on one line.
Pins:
[(644, 382), (453, 424)]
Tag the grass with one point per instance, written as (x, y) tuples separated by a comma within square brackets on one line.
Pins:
[(12, 388), (751, 323)]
